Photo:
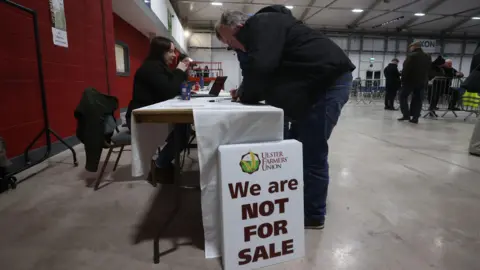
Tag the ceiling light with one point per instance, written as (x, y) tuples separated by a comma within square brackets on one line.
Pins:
[(357, 10), (186, 33), (475, 18), (289, 7), (419, 14), (217, 4)]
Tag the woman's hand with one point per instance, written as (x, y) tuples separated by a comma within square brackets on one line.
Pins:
[(183, 66)]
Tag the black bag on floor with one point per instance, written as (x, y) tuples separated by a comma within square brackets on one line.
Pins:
[(10, 182), (472, 83)]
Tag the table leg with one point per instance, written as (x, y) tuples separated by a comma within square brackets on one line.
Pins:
[(177, 137)]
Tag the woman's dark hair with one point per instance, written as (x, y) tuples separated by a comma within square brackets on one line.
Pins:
[(158, 47)]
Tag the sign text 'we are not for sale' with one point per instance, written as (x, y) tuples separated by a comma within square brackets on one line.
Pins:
[(262, 204)]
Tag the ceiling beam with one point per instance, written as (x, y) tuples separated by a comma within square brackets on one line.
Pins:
[(455, 25), (320, 10), (306, 10), (470, 26), (345, 32), (455, 15), (390, 11), (428, 9), (360, 17), (328, 7)]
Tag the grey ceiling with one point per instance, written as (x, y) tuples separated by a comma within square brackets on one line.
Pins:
[(448, 16)]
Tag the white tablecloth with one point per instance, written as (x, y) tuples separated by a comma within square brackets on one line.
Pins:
[(216, 123)]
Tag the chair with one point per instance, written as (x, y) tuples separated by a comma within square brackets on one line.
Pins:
[(120, 139)]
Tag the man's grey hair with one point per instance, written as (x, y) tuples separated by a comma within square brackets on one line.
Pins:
[(231, 18)]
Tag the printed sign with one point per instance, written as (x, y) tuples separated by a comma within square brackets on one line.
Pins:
[(428, 45), (262, 204), (59, 23)]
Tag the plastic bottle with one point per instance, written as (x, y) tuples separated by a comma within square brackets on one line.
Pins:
[(202, 82), (185, 91)]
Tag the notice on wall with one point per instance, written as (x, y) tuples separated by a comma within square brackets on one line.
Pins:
[(59, 23), (428, 45), (262, 204)]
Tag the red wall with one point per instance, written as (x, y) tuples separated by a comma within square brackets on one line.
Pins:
[(68, 71), (138, 45)]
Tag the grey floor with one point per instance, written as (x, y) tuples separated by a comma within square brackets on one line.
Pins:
[(402, 196)]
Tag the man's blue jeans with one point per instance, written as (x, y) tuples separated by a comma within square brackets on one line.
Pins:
[(313, 131)]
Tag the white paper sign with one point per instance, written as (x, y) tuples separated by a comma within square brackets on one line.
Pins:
[(262, 204), (59, 23), (428, 45)]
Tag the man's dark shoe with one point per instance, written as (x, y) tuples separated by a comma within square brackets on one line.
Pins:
[(311, 224), (414, 120), (404, 119), (161, 175)]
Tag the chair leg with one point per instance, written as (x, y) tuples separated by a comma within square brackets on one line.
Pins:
[(105, 163), (118, 157)]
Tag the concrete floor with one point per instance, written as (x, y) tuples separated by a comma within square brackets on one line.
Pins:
[(402, 196)]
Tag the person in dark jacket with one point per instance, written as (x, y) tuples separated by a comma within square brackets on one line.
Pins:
[(437, 74), (155, 82), (295, 68), (414, 80), (92, 114), (474, 148), (393, 83), (475, 59)]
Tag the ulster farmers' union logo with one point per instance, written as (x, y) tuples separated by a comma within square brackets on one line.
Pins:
[(250, 163)]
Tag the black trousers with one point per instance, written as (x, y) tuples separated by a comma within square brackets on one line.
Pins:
[(417, 93), (390, 94)]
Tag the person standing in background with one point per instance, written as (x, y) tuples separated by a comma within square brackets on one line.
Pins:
[(437, 75), (393, 83), (450, 74), (206, 72), (414, 80)]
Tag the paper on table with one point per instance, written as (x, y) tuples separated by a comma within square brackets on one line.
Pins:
[(238, 124)]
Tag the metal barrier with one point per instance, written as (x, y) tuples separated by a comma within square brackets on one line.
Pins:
[(445, 95), (441, 95), (367, 91)]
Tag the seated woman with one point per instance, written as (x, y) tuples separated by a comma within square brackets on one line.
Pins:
[(155, 82)]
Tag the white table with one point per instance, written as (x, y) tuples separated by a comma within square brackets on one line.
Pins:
[(220, 122)]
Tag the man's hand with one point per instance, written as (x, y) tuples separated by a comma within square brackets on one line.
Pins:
[(233, 94)]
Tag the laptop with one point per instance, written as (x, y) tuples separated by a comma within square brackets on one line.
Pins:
[(214, 89)]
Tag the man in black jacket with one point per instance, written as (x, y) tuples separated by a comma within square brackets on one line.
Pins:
[(298, 69), (393, 83), (414, 80)]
